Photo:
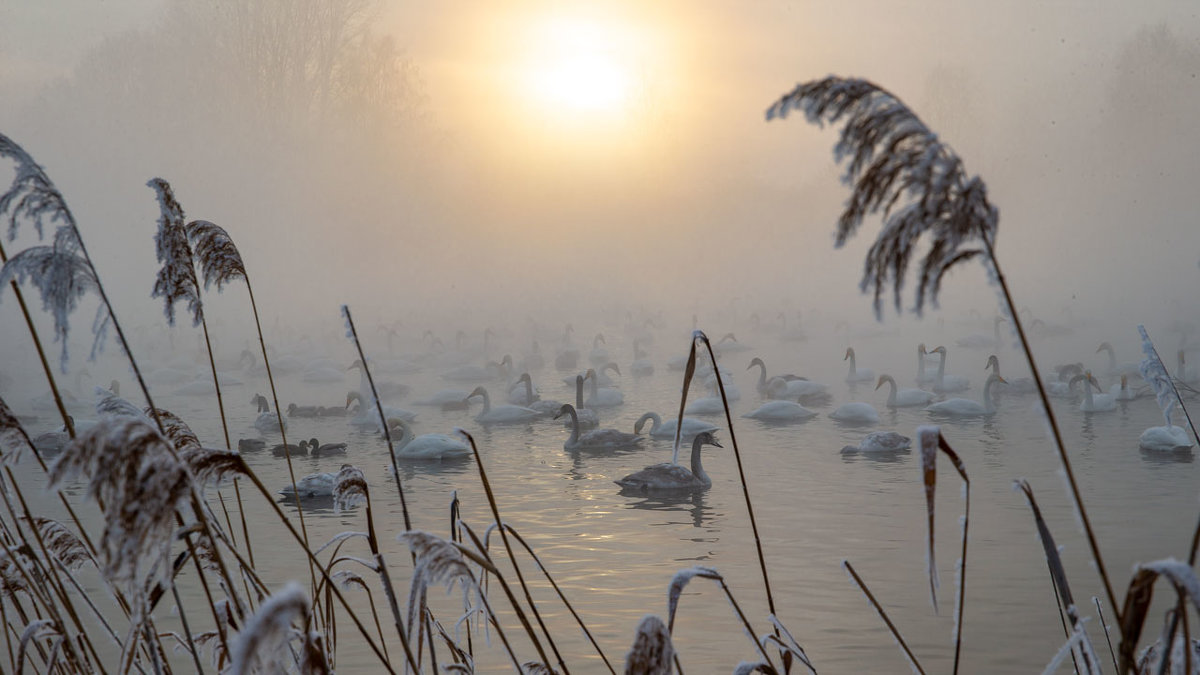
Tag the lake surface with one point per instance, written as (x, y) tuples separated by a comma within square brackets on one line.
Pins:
[(615, 555)]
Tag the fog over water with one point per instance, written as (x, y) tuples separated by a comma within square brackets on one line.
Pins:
[(409, 159)]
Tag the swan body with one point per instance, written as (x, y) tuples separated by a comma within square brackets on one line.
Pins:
[(1121, 391), (965, 407), (709, 405), (780, 411), (367, 417), (904, 398), (312, 486), (596, 439), (669, 477), (947, 383), (501, 414), (856, 413), (659, 429), (1165, 439), (267, 421), (880, 442), (444, 397), (601, 375), (779, 388), (427, 446)]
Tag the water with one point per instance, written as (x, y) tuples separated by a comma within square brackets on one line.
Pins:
[(615, 555)]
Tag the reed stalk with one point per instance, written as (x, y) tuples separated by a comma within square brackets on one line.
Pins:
[(912, 658)]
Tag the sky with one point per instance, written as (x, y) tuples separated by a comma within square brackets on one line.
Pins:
[(668, 190)]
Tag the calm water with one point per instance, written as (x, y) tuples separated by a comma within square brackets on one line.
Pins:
[(615, 555)]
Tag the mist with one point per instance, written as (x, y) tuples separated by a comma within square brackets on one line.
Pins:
[(380, 155)]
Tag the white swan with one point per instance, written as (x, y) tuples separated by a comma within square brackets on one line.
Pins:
[(1165, 439), (1098, 402), (855, 374), (1020, 385), (923, 376), (312, 486), (596, 439), (367, 417), (728, 344), (880, 442), (965, 407), (642, 366), (523, 394), (1115, 368), (427, 446), (780, 411), (669, 477), (602, 397), (947, 383), (856, 413), (659, 429), (1122, 391), (602, 378), (903, 398), (267, 422), (501, 414), (445, 398)]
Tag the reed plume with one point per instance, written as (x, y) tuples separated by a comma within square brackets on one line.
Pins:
[(62, 543), (898, 168), (176, 279), (652, 652), (13, 439), (349, 487), (260, 646)]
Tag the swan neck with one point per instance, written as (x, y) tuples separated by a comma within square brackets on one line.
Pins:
[(528, 391), (988, 404), (487, 402), (941, 367), (891, 393), (697, 468), (574, 427), (578, 392), (852, 368)]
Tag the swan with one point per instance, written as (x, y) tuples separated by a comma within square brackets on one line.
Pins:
[(316, 449), (523, 394), (857, 374), (728, 344), (978, 341), (602, 397), (780, 411), (659, 429), (599, 355), (501, 414), (965, 407), (386, 389), (1113, 367), (1097, 403), (947, 383), (567, 357), (474, 373), (642, 366), (880, 442), (312, 486), (669, 477), (1165, 439), (924, 377), (446, 399), (367, 417), (596, 439), (903, 398), (427, 446), (1059, 384), (601, 376), (800, 388), (1122, 392), (588, 419), (1021, 385), (267, 421), (763, 386), (856, 413)]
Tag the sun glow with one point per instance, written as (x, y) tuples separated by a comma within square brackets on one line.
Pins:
[(579, 66)]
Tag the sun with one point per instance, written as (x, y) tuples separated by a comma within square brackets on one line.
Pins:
[(579, 66)]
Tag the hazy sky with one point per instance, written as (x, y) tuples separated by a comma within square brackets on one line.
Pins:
[(675, 187)]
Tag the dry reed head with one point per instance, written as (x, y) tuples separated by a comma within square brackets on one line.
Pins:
[(62, 543), (651, 653), (900, 169), (177, 431), (39, 630), (176, 278), (438, 562), (61, 276), (131, 473), (13, 439), (17, 569), (259, 647), (216, 253), (679, 581), (349, 487), (212, 466), (536, 668)]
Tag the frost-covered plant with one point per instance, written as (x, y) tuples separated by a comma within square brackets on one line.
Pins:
[(260, 646), (176, 278), (1155, 373), (32, 195), (349, 487), (651, 653), (62, 277)]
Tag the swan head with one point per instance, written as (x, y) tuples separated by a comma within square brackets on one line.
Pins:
[(727, 336), (938, 350), (992, 361), (478, 391), (849, 353), (566, 409), (599, 340), (756, 362), (352, 396), (1104, 346), (884, 378), (396, 423), (591, 373), (525, 378), (706, 438), (921, 349)]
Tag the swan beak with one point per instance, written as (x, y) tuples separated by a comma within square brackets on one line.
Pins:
[(717, 443), (1001, 380), (879, 384)]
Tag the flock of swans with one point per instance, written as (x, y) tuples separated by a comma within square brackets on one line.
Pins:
[(505, 393)]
